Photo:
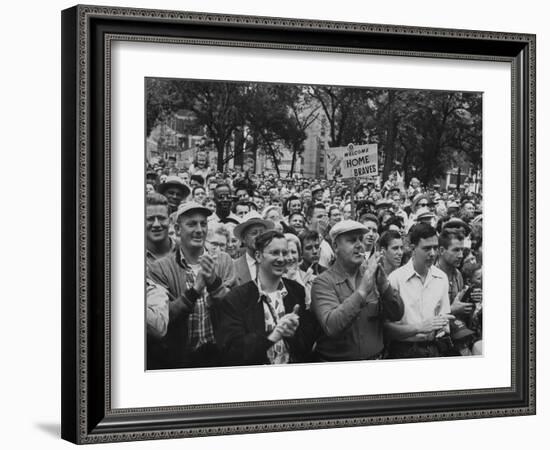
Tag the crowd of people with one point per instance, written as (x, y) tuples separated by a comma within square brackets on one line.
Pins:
[(247, 269)]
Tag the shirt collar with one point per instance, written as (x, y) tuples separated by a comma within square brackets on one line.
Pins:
[(261, 293), (249, 259), (410, 272), (341, 274)]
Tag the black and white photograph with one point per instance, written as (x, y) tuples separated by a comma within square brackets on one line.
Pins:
[(303, 223)]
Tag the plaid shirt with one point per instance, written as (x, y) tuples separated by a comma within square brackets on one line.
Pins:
[(200, 330)]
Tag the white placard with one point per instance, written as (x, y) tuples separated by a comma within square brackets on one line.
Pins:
[(133, 387)]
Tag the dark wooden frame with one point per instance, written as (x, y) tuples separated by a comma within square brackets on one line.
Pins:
[(87, 31)]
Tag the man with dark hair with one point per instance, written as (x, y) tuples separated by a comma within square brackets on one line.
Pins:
[(241, 209), (194, 282), (425, 292), (391, 247), (175, 190), (196, 180), (451, 252), (370, 222), (310, 242), (467, 211), (222, 197), (297, 222), (351, 300), (292, 205), (158, 243)]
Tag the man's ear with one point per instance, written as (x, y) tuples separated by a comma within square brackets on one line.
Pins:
[(257, 256)]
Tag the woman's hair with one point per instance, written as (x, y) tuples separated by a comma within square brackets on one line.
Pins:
[(264, 239), (197, 187), (293, 238), (218, 229)]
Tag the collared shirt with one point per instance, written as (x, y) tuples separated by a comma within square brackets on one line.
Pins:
[(456, 282), (151, 257), (352, 324), (157, 310), (326, 254), (252, 266), (274, 310), (200, 330), (422, 300)]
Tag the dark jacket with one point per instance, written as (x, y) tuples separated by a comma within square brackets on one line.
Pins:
[(241, 330)]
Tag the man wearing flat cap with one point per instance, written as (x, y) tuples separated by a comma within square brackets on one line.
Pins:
[(352, 299), (175, 190), (195, 281), (247, 231)]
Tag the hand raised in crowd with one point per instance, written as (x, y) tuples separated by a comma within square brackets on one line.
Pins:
[(435, 323), (369, 277), (461, 308), (477, 295), (322, 226), (287, 326), (207, 268)]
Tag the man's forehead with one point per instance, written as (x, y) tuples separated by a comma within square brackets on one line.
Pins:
[(193, 216), (432, 240)]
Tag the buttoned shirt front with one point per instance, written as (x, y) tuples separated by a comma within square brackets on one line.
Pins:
[(422, 300)]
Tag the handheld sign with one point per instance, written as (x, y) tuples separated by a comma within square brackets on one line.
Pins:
[(352, 161)]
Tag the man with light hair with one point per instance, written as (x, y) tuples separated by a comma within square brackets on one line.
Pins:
[(194, 281)]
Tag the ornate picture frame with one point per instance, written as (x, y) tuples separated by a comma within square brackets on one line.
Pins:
[(88, 33)]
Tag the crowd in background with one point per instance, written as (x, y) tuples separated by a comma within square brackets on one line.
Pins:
[(255, 269)]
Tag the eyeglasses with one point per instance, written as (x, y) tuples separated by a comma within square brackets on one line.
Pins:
[(217, 244)]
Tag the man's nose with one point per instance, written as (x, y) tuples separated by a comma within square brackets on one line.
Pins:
[(156, 222)]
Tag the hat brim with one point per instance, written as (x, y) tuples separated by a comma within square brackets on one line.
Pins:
[(199, 209), (241, 228), (164, 186)]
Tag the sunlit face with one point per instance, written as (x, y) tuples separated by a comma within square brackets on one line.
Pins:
[(156, 217), (211, 205), (297, 222), (335, 216), (273, 215), (293, 255), (201, 159), (191, 229), (394, 253), (242, 195), (233, 243), (371, 235), (319, 213), (199, 195), (425, 252), (454, 253), (260, 202), (185, 177), (273, 260), (349, 248), (215, 244), (242, 210), (295, 206)]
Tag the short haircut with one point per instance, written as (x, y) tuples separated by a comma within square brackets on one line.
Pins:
[(198, 178), (446, 237), (264, 239), (318, 205), (154, 198), (287, 203), (296, 214), (293, 238), (368, 217), (220, 185), (309, 235), (395, 220), (421, 231), (197, 187), (332, 208), (387, 237), (240, 203), (218, 229)]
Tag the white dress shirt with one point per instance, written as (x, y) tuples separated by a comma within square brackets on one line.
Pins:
[(252, 266), (422, 300)]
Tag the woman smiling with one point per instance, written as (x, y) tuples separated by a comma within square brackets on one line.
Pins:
[(265, 321)]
